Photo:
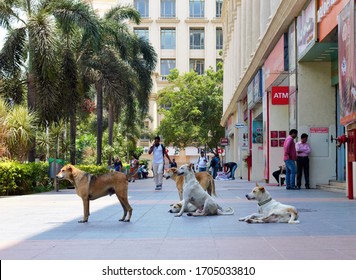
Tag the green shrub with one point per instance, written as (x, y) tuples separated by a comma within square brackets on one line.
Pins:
[(23, 178), (93, 169)]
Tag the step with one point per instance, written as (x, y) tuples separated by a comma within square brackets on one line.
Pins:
[(333, 187), (337, 183)]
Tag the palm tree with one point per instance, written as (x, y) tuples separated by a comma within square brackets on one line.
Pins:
[(32, 44), (121, 71), (133, 91)]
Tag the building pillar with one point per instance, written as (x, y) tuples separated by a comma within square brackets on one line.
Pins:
[(255, 24), (237, 57), (243, 36), (274, 6), (265, 11), (249, 21)]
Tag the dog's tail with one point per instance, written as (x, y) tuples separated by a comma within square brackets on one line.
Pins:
[(227, 211)]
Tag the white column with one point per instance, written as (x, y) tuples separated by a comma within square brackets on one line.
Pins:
[(243, 35), (274, 6), (265, 11), (239, 43), (255, 24), (249, 21)]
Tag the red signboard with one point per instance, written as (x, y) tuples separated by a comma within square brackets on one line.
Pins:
[(280, 95), (224, 141)]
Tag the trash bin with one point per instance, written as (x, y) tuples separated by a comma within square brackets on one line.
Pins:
[(54, 167)]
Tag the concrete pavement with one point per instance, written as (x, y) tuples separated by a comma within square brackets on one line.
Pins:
[(44, 227)]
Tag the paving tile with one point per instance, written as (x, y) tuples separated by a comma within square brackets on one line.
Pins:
[(44, 226)]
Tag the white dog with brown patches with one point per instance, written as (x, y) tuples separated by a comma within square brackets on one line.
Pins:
[(194, 193), (269, 210)]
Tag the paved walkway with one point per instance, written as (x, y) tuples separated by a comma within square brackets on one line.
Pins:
[(44, 226)]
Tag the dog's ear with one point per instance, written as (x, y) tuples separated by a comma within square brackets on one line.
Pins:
[(70, 167), (262, 189), (191, 166), (174, 170)]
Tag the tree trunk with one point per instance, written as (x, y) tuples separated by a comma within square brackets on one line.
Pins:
[(111, 130), (31, 104), (73, 132), (99, 113)]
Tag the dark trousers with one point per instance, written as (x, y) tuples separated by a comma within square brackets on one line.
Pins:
[(303, 166)]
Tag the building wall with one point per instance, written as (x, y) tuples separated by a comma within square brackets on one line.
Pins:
[(315, 106), (316, 109), (182, 23)]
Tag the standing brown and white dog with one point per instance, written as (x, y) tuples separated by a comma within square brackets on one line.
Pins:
[(90, 187), (269, 210), (194, 193)]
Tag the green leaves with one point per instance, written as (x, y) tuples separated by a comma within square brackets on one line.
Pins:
[(192, 108)]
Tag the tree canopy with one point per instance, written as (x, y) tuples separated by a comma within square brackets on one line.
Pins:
[(192, 109)]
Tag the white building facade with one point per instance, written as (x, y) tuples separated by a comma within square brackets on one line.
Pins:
[(282, 72), (186, 34)]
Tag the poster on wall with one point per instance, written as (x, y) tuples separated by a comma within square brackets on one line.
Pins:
[(346, 52), (306, 29), (257, 132)]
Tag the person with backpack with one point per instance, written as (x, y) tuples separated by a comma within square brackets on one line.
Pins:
[(159, 151), (202, 162), (214, 164)]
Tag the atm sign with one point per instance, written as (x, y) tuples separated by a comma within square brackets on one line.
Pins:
[(280, 95)]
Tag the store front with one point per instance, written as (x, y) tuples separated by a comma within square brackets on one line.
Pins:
[(256, 160), (347, 89), (275, 106)]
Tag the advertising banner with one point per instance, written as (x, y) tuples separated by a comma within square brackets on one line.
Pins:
[(347, 80), (306, 28)]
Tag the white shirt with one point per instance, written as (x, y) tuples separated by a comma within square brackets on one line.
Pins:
[(158, 154), (202, 162)]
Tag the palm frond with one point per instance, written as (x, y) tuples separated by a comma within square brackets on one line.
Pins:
[(76, 14), (123, 12), (12, 53)]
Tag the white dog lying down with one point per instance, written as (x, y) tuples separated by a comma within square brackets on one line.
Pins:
[(175, 207), (195, 194), (269, 210)]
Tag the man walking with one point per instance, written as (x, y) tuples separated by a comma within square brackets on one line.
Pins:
[(303, 150), (202, 162), (159, 151), (290, 156)]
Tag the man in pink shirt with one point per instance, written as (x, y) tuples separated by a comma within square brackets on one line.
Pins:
[(290, 156), (303, 150)]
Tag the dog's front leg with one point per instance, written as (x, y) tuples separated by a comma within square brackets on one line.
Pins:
[(86, 210), (244, 218), (184, 206), (249, 217)]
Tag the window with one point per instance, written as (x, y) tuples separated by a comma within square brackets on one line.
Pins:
[(197, 65), (219, 38), (197, 38), (168, 38), (166, 66), (142, 7), (219, 4), (219, 64), (142, 33), (196, 8), (168, 8)]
